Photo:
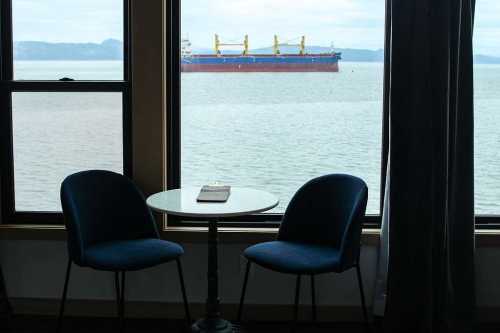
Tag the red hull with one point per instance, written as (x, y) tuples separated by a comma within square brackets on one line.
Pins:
[(245, 68)]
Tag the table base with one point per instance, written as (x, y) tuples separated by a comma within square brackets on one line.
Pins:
[(212, 322), (207, 325)]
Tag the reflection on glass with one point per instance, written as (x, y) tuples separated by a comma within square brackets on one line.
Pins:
[(56, 134)]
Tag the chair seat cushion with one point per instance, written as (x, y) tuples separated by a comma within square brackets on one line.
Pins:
[(294, 257), (131, 255)]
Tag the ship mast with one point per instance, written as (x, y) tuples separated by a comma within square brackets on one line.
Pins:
[(216, 46), (276, 45)]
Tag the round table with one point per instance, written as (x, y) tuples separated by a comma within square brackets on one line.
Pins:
[(182, 202)]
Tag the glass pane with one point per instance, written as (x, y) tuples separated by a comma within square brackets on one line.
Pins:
[(285, 108), (79, 39), (487, 107), (57, 134)]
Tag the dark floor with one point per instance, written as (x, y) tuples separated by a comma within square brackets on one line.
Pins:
[(93, 325)]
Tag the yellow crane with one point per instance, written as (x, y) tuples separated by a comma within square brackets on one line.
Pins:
[(218, 45), (245, 45), (301, 45)]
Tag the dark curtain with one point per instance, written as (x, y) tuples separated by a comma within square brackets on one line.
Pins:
[(430, 285)]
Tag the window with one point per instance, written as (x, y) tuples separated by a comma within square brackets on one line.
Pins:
[(487, 106), (274, 93), (72, 131), (64, 100)]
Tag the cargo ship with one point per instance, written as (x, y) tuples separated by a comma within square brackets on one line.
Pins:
[(246, 62)]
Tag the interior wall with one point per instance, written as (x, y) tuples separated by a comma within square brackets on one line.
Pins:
[(36, 269)]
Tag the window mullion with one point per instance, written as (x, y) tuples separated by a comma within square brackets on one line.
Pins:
[(6, 42)]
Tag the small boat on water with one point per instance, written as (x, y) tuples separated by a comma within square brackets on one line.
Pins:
[(246, 62)]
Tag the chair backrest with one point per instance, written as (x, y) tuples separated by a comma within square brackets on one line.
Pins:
[(102, 206), (328, 210)]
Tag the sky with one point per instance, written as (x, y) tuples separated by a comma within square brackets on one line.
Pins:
[(345, 23), (487, 27), (77, 21)]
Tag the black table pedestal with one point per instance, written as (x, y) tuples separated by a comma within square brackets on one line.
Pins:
[(212, 321), (212, 325)]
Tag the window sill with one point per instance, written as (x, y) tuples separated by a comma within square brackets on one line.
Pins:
[(176, 234), (484, 238), (242, 235)]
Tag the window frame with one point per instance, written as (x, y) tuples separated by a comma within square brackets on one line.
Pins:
[(8, 86), (173, 147)]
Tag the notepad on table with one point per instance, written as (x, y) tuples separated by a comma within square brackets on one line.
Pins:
[(214, 193)]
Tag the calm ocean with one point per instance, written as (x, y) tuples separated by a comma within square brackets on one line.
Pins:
[(272, 131)]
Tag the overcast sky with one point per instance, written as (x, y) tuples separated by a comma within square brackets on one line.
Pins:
[(346, 23), (67, 20)]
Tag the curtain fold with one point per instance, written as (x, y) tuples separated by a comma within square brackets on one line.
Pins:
[(380, 294), (430, 285)]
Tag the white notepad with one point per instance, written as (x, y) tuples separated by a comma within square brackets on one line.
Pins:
[(214, 193)]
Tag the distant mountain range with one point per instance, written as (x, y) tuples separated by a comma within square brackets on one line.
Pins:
[(112, 49)]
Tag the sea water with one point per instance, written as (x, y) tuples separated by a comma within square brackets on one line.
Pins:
[(272, 131)]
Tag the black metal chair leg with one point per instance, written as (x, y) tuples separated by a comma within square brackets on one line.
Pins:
[(63, 300), (313, 298), (296, 306), (183, 289), (122, 303), (243, 291), (363, 303)]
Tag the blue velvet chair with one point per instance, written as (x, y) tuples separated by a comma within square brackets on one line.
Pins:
[(110, 228), (320, 233)]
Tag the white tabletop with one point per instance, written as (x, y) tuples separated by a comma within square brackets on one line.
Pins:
[(182, 202)]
